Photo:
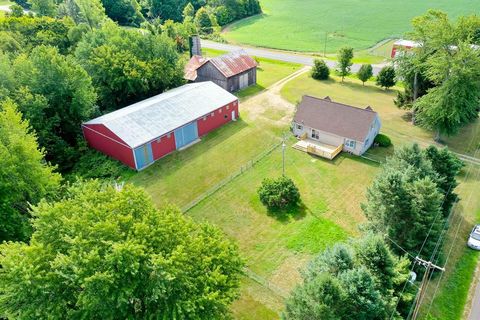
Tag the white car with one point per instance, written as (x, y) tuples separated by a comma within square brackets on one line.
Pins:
[(474, 239)]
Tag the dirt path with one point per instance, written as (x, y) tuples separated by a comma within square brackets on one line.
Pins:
[(270, 101)]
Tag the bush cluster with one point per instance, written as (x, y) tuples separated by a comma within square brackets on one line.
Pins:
[(383, 140), (279, 193), (320, 70)]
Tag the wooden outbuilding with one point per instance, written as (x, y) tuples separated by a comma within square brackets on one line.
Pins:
[(232, 71)]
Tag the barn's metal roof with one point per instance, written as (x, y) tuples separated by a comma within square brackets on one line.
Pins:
[(407, 43), (191, 67), (233, 63), (152, 118)]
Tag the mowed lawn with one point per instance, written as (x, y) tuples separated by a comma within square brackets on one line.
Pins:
[(302, 25), (449, 294)]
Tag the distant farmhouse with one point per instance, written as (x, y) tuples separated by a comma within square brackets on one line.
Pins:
[(326, 127), (144, 132), (232, 71)]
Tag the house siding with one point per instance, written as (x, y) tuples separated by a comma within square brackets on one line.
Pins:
[(102, 139), (328, 138)]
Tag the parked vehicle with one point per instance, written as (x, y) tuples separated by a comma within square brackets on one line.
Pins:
[(474, 239)]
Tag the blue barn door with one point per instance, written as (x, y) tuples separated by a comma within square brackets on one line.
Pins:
[(144, 156), (186, 134)]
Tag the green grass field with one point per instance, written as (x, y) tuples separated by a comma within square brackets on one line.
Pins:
[(302, 25), (276, 248)]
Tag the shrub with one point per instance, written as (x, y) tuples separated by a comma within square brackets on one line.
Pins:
[(383, 140), (320, 70), (95, 165), (279, 193)]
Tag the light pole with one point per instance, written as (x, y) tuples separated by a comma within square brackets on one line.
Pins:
[(283, 154)]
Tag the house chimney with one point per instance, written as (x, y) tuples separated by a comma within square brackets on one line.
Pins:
[(195, 46)]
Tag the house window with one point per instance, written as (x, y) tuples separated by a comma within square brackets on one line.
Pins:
[(315, 134), (212, 114), (299, 127), (350, 143)]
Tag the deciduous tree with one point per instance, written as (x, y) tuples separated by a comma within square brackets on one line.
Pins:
[(25, 177), (365, 73), (386, 78), (44, 7), (345, 56), (106, 253), (320, 70)]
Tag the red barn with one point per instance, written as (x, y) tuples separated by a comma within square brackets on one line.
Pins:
[(144, 132), (402, 46)]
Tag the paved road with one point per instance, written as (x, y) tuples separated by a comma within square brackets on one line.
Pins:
[(475, 311), (278, 55)]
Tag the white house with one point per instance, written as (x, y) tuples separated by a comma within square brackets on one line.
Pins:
[(335, 126)]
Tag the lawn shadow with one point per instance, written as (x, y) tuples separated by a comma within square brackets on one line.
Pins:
[(286, 215)]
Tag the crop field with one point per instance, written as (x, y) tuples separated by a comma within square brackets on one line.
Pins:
[(304, 25)]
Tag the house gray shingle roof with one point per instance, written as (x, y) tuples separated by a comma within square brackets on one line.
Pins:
[(336, 118)]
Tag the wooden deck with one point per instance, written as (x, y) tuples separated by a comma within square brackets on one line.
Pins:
[(318, 148)]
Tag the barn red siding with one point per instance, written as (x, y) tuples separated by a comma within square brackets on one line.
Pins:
[(221, 116), (164, 146), (102, 139)]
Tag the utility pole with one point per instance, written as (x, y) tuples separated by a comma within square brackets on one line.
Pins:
[(423, 287), (284, 145)]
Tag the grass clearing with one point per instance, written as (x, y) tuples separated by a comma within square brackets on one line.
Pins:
[(304, 25)]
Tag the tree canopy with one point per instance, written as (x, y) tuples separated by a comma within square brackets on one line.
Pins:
[(25, 178), (345, 56), (365, 73), (104, 253), (127, 66)]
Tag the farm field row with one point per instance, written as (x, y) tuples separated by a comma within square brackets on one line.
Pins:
[(315, 26), (275, 249)]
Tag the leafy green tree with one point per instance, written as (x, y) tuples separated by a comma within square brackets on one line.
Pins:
[(345, 56), (16, 11), (365, 73), (44, 7), (125, 12), (35, 31), (279, 193), (56, 95), (127, 66), (320, 70), (203, 21), (92, 12), (11, 42), (447, 165), (188, 11), (106, 253), (25, 178), (386, 78), (23, 3)]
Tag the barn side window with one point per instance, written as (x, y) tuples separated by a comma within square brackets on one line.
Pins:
[(212, 114), (220, 110), (159, 140), (228, 107), (169, 135), (205, 118)]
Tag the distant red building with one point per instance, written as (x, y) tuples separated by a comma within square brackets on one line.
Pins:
[(144, 132), (403, 45)]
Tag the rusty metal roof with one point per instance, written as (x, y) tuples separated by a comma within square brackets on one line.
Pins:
[(333, 117), (233, 63), (191, 67)]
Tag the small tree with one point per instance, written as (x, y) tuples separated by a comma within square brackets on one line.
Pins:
[(320, 70), (188, 11), (16, 11), (203, 22), (365, 73), (345, 56), (386, 77), (279, 193)]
